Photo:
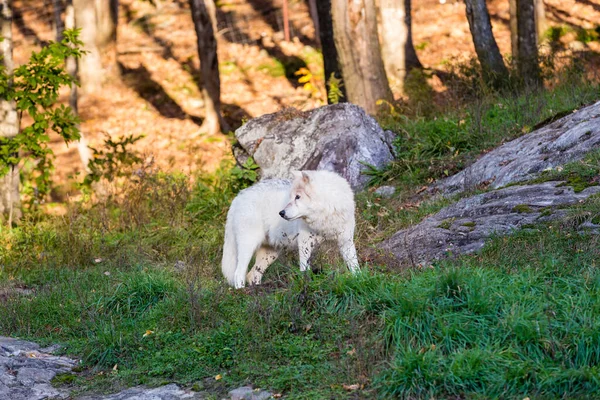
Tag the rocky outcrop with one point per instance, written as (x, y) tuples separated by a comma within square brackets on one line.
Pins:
[(166, 392), (340, 138), (26, 371), (465, 226), (565, 140)]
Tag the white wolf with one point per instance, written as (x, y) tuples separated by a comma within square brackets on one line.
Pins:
[(275, 214)]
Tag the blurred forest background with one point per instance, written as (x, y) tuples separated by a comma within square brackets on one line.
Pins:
[(149, 86)]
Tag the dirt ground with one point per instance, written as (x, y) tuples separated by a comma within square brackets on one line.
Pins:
[(158, 97)]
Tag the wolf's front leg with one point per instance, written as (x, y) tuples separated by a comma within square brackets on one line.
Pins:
[(348, 251), (307, 242)]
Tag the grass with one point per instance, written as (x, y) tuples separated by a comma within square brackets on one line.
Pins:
[(520, 319), (131, 285), (441, 143), (578, 174)]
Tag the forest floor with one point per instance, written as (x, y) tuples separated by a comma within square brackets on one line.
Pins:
[(157, 96)]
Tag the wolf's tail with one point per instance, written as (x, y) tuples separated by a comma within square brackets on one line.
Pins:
[(229, 261)]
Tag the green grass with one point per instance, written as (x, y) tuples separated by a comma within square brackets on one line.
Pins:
[(519, 319), (578, 174), (132, 285)]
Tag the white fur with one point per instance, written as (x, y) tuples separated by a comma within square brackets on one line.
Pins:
[(317, 205)]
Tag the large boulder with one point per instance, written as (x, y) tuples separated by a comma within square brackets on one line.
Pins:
[(340, 138), (465, 226), (565, 140)]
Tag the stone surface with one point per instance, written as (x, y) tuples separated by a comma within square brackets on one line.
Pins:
[(565, 140), (247, 393), (167, 392), (26, 371), (464, 227), (339, 137), (385, 191)]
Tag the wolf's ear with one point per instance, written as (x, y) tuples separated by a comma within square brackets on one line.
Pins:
[(305, 177), (301, 175)]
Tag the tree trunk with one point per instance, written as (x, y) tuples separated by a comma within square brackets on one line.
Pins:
[(85, 155), (209, 64), (10, 202), (330, 55), (107, 14), (492, 65), (58, 22), (357, 43), (398, 51), (91, 73), (527, 56), (541, 25), (314, 15), (514, 34)]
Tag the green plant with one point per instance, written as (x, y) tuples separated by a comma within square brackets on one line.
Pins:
[(334, 92), (244, 175), (113, 160), (35, 89)]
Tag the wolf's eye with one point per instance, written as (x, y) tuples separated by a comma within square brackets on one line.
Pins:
[(297, 197)]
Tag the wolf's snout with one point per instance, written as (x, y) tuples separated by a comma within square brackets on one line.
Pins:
[(282, 213)]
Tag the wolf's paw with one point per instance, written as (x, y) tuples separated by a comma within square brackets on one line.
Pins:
[(253, 279)]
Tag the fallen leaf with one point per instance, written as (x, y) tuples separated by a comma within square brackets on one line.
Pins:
[(355, 386), (115, 368), (351, 352), (148, 333), (218, 377)]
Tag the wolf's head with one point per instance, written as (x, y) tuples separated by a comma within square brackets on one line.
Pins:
[(298, 205)]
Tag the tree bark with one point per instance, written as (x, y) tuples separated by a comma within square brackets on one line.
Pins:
[(494, 71), (314, 15), (10, 202), (209, 78), (398, 51), (330, 54), (85, 155), (541, 25), (59, 26), (91, 73), (527, 56), (107, 14), (357, 43)]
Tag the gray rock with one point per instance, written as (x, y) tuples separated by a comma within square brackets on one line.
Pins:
[(567, 139), (29, 376), (465, 226), (167, 392), (10, 346), (247, 393), (26, 371), (339, 137), (385, 191), (52, 349)]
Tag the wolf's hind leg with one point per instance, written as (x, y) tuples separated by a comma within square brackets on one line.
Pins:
[(265, 256), (246, 246), (348, 251)]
